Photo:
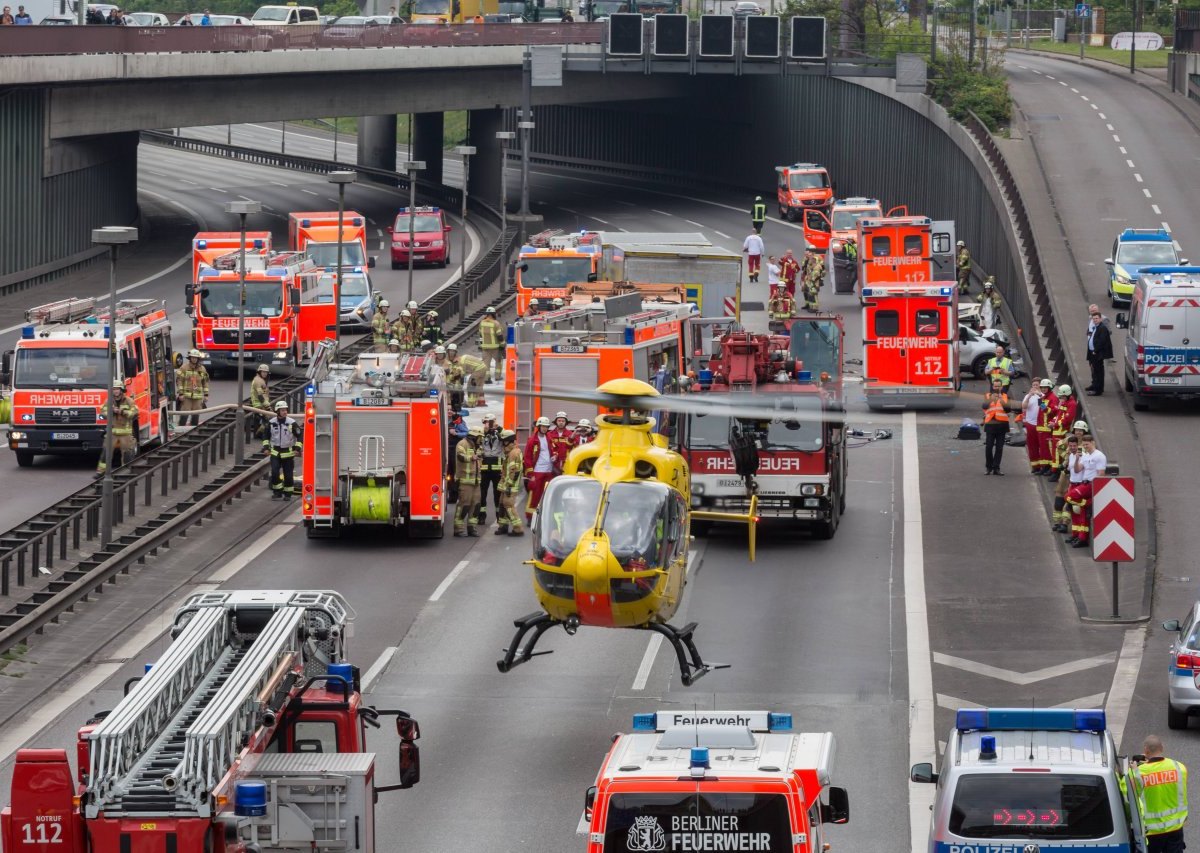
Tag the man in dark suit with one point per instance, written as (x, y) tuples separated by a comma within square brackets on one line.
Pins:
[(1099, 350)]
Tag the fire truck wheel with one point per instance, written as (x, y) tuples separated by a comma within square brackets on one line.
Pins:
[(24, 458), (791, 214), (826, 529)]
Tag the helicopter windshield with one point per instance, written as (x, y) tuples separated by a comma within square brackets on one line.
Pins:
[(635, 520), (566, 512)]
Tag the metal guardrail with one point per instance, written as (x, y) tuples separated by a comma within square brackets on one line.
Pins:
[(71, 523)]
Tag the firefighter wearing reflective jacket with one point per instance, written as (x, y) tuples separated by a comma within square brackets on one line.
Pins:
[(781, 306), (404, 331), (260, 397), (124, 447), (1000, 367), (283, 442), (1160, 785), (1064, 415), (491, 452), (539, 464), (466, 475), (508, 520), (789, 268), (191, 388), (962, 265), (562, 440), (474, 375), (1044, 452), (381, 327), (491, 337), (433, 328), (454, 376), (814, 276)]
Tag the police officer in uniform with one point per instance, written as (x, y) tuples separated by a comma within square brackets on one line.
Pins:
[(466, 475), (759, 214), (124, 413), (491, 452), (191, 388), (1162, 797), (283, 442), (508, 520), (491, 337)]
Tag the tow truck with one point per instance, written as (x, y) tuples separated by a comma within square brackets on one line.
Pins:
[(549, 262), (316, 234), (795, 463), (375, 439), (278, 325), (59, 375), (714, 780), (248, 734), (802, 186)]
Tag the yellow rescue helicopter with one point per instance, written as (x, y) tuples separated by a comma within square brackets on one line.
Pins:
[(611, 533)]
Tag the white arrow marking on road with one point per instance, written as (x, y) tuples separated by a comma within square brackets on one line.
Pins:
[(1023, 678), (1120, 695), (1095, 700), (953, 703)]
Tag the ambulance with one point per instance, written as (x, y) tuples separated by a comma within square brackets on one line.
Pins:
[(715, 780), (207, 246), (1017, 780), (316, 234), (822, 228), (59, 375), (910, 345), (905, 249)]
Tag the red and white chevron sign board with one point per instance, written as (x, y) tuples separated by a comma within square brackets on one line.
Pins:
[(1112, 520)]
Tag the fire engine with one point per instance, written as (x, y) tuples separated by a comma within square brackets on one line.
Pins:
[(795, 462), (316, 234), (801, 186), (582, 346), (59, 375), (715, 780), (278, 323), (247, 735), (549, 262), (375, 436), (904, 249), (207, 246), (910, 345)]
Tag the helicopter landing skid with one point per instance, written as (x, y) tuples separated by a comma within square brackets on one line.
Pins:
[(516, 654), (691, 666)]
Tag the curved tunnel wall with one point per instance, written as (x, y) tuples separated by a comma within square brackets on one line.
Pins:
[(51, 196), (900, 148)]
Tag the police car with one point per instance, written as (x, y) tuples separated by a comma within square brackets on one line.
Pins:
[(1021, 780), (1133, 250)]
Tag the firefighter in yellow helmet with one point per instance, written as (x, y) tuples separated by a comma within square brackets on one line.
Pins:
[(191, 388), (513, 470), (124, 442), (466, 475), (491, 337)]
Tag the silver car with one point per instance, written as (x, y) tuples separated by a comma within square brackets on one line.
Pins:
[(1183, 696), (357, 296)]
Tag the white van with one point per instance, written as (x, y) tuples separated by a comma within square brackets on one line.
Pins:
[(276, 16), (1162, 349)]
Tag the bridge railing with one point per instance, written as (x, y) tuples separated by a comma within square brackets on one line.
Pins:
[(59, 41)]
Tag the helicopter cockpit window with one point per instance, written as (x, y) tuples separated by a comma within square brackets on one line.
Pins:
[(636, 522), (567, 511)]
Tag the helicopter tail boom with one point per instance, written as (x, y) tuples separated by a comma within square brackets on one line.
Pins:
[(750, 519)]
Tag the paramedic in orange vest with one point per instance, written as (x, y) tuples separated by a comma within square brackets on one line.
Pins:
[(995, 426), (539, 464)]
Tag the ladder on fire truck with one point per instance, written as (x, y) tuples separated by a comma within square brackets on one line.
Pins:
[(258, 261), (62, 311), (541, 240), (169, 742)]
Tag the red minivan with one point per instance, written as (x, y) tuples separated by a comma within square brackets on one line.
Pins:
[(429, 236)]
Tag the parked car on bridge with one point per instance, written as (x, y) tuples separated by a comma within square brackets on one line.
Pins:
[(57, 21), (746, 8), (353, 31), (146, 19)]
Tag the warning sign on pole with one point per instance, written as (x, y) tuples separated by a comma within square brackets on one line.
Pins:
[(1112, 520)]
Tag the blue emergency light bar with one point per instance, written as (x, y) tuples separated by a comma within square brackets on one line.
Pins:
[(27, 332), (1035, 719), (946, 291), (205, 273), (258, 244), (754, 720), (280, 271), (699, 758), (310, 390), (1145, 235), (1168, 270), (629, 336), (201, 244), (509, 336)]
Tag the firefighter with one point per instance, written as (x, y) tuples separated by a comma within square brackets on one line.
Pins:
[(508, 520), (585, 433), (539, 464), (283, 442), (124, 444), (1044, 453), (1162, 797), (962, 265), (1049, 451), (557, 304), (260, 397), (1064, 415), (817, 269), (454, 375), (415, 320), (433, 329), (1087, 463), (491, 337), (474, 377), (394, 346), (995, 426), (533, 309), (1061, 519), (789, 268), (381, 327), (758, 214), (491, 453), (455, 432), (402, 330), (1000, 367), (191, 388), (781, 306), (814, 273), (989, 303), (561, 439), (466, 475)]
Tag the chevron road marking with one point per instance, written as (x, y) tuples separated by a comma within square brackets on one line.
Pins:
[(953, 703), (1024, 678)]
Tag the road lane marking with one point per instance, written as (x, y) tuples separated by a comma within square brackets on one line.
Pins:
[(601, 221), (1138, 178), (1024, 678), (278, 184), (1121, 148), (186, 181), (1110, 128), (310, 192), (719, 234), (219, 190), (1129, 163), (377, 668), (953, 703), (921, 743), (1116, 138), (1095, 700), (277, 532), (1157, 212), (244, 198), (643, 673), (661, 212), (568, 210), (449, 579), (1103, 117), (1146, 192), (1085, 97), (694, 222), (1120, 695), (582, 827), (1073, 89), (1166, 228)]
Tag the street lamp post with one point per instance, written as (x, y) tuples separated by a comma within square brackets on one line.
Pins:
[(505, 136), (464, 151), (412, 167), (341, 179), (112, 236), (242, 209), (525, 125)]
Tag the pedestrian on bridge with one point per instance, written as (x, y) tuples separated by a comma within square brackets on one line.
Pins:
[(1099, 350), (6, 17), (753, 249), (1160, 784)]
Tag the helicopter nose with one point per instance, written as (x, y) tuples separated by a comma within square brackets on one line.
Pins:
[(591, 572)]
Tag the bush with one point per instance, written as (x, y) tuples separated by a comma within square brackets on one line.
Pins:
[(961, 89)]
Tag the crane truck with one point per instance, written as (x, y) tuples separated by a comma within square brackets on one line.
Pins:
[(247, 735)]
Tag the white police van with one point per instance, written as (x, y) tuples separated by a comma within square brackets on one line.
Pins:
[(1021, 780), (1162, 349)]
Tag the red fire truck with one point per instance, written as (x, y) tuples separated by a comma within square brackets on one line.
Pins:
[(248, 734), (715, 780), (316, 234), (207, 246), (279, 325), (910, 345), (794, 461), (549, 262), (59, 376), (375, 436), (904, 249)]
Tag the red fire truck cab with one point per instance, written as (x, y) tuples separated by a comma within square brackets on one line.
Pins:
[(910, 345), (714, 780), (802, 186)]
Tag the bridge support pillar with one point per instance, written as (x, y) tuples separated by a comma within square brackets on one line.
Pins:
[(377, 142), (427, 134), (486, 164)]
